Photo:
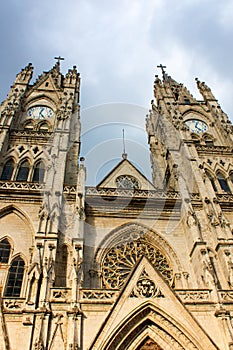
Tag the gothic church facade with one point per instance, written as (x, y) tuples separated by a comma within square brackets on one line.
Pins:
[(128, 264)]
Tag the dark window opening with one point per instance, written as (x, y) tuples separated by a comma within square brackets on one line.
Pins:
[(223, 183), (212, 182), (39, 171), (187, 101), (15, 278), (5, 249), (23, 171), (8, 170)]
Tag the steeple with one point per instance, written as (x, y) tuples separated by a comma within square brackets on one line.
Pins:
[(124, 154)]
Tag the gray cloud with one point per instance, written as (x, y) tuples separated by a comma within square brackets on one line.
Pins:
[(118, 44)]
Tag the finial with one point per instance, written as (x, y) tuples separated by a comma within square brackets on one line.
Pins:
[(59, 58), (165, 76), (124, 155)]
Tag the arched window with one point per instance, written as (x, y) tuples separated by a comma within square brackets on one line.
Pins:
[(8, 170), (5, 249), (61, 266), (29, 126), (223, 183), (15, 278), (212, 182), (23, 171), (43, 127), (38, 172)]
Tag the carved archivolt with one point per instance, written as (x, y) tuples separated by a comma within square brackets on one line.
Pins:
[(163, 331)]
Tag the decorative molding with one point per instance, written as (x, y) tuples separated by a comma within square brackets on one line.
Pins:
[(61, 294), (30, 133), (109, 192), (214, 149), (226, 296), (98, 295), (13, 304), (225, 197), (15, 185), (194, 296), (69, 189)]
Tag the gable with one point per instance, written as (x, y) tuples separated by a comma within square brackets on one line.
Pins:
[(148, 307), (126, 174)]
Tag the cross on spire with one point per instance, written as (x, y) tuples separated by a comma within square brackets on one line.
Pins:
[(59, 58), (165, 76), (162, 68)]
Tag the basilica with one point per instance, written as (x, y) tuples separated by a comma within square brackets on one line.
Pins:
[(130, 264)]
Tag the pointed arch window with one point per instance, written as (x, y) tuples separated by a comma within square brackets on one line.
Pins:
[(38, 172), (15, 278), (23, 171), (223, 183), (8, 170), (212, 181), (5, 250)]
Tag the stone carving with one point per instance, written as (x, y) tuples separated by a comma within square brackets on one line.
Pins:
[(71, 77), (73, 347), (194, 295), (21, 186), (13, 304), (119, 261), (66, 107), (226, 295), (25, 75), (38, 345), (208, 276), (146, 288), (129, 193), (36, 133), (59, 294), (95, 295), (223, 221)]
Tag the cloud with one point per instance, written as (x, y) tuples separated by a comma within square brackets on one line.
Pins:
[(118, 44)]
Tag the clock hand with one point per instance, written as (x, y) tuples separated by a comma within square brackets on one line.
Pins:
[(196, 126), (41, 112)]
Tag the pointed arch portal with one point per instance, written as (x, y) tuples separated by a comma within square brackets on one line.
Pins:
[(149, 344), (149, 329)]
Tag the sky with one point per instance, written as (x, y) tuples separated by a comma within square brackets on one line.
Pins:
[(116, 46)]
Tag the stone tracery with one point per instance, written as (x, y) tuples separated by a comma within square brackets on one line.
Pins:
[(119, 261)]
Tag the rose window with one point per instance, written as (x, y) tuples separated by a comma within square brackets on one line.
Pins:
[(120, 260), (127, 181)]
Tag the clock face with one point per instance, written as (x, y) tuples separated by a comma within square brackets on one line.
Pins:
[(197, 126), (40, 112)]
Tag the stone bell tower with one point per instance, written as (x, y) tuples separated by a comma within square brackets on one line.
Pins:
[(41, 206), (191, 144)]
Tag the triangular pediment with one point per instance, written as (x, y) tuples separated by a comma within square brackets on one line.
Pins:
[(148, 307), (48, 82), (123, 174)]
